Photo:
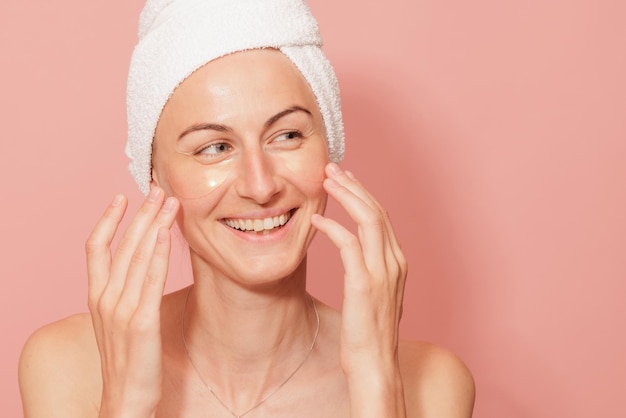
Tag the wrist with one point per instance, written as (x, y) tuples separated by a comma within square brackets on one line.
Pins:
[(375, 392), (127, 408), (374, 380), (107, 413), (364, 362)]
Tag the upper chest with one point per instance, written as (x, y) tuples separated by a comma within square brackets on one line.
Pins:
[(306, 396)]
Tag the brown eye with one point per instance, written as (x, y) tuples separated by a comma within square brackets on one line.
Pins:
[(288, 136), (288, 140)]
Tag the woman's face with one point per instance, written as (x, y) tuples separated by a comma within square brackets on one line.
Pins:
[(241, 144)]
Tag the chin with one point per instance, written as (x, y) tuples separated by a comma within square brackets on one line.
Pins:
[(268, 271)]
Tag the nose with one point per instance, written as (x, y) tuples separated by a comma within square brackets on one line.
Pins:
[(256, 177)]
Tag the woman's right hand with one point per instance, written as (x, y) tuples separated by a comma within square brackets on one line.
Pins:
[(125, 292)]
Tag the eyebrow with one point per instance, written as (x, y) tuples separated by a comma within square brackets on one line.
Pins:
[(204, 126), (285, 112), (223, 128)]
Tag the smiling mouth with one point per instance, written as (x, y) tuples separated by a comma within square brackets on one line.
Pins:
[(259, 226)]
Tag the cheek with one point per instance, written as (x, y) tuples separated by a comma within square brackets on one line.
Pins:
[(194, 216), (198, 188), (306, 168), (192, 181)]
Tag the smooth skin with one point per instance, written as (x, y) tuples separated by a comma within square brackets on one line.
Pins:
[(249, 321)]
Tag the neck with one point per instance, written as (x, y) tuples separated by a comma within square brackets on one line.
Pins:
[(246, 340)]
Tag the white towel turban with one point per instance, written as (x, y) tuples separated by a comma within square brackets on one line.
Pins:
[(176, 37)]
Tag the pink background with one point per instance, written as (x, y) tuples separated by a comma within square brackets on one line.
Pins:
[(493, 131)]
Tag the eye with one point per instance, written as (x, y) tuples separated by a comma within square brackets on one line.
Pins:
[(288, 140), (288, 135), (214, 150)]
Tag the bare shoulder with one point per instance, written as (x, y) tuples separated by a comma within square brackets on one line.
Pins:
[(59, 370), (436, 382)]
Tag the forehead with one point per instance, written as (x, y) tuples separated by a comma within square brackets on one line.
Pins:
[(248, 82)]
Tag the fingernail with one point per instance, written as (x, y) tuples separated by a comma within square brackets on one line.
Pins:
[(169, 205), (154, 195), (117, 200), (316, 217), (334, 168)]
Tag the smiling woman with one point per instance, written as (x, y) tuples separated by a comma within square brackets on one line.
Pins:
[(236, 149), (255, 152)]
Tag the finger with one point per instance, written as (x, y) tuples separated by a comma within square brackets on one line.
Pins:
[(370, 225), (131, 239), (349, 181), (348, 245), (384, 260), (144, 258), (153, 286), (98, 247), (356, 267)]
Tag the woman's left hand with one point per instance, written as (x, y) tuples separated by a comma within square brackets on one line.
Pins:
[(375, 273)]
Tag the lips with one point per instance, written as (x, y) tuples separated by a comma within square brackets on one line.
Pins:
[(260, 225)]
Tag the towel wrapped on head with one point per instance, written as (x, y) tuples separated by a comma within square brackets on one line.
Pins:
[(176, 37)]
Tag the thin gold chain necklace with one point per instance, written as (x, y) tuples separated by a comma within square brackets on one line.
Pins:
[(234, 414)]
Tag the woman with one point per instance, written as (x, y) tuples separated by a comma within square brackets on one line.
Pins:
[(232, 142)]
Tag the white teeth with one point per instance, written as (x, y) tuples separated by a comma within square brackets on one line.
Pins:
[(259, 225)]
